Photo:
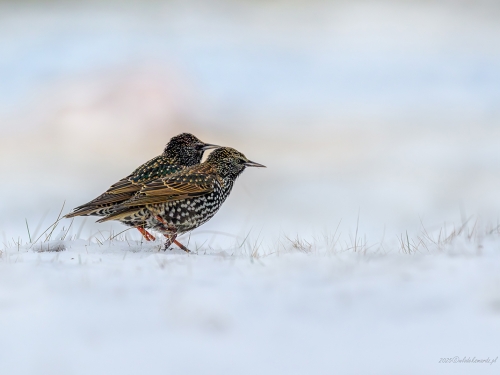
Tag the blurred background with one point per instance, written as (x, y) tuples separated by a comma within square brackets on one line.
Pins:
[(382, 113)]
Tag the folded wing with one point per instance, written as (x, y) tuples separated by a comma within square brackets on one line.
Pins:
[(190, 182)]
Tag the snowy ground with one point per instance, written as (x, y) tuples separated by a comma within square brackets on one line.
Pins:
[(121, 306)]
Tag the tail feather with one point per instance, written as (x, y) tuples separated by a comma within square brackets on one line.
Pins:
[(119, 214), (105, 199), (101, 206), (91, 211)]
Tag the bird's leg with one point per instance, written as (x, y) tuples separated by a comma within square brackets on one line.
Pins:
[(181, 246), (147, 236), (160, 219), (151, 237), (171, 238), (169, 241)]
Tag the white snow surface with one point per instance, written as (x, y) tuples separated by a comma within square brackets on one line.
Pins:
[(126, 307)]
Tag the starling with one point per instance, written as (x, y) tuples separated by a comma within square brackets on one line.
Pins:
[(181, 202), (183, 150)]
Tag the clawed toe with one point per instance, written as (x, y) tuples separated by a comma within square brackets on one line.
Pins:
[(182, 246), (171, 240)]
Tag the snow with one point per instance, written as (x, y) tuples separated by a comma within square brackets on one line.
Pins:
[(126, 307)]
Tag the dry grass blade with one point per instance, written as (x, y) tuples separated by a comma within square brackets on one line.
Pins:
[(57, 222), (63, 237), (53, 226), (116, 235), (300, 244), (28, 228)]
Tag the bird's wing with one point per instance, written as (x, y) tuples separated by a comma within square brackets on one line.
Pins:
[(128, 186), (191, 182), (155, 168)]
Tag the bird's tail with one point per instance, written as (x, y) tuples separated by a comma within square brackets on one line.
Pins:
[(119, 214), (90, 211)]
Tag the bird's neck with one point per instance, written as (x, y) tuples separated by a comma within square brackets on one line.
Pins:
[(227, 184)]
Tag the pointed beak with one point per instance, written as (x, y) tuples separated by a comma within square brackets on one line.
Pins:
[(254, 164), (208, 146)]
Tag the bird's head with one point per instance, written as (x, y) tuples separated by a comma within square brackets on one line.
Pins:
[(185, 149), (230, 162)]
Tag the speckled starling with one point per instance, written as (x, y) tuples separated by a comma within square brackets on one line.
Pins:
[(181, 202), (183, 150)]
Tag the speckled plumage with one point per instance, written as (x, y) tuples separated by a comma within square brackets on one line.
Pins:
[(182, 151), (182, 202)]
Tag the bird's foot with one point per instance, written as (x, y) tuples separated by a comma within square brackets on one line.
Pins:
[(182, 246), (171, 240)]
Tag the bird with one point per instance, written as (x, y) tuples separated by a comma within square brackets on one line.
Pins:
[(183, 150), (183, 201)]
